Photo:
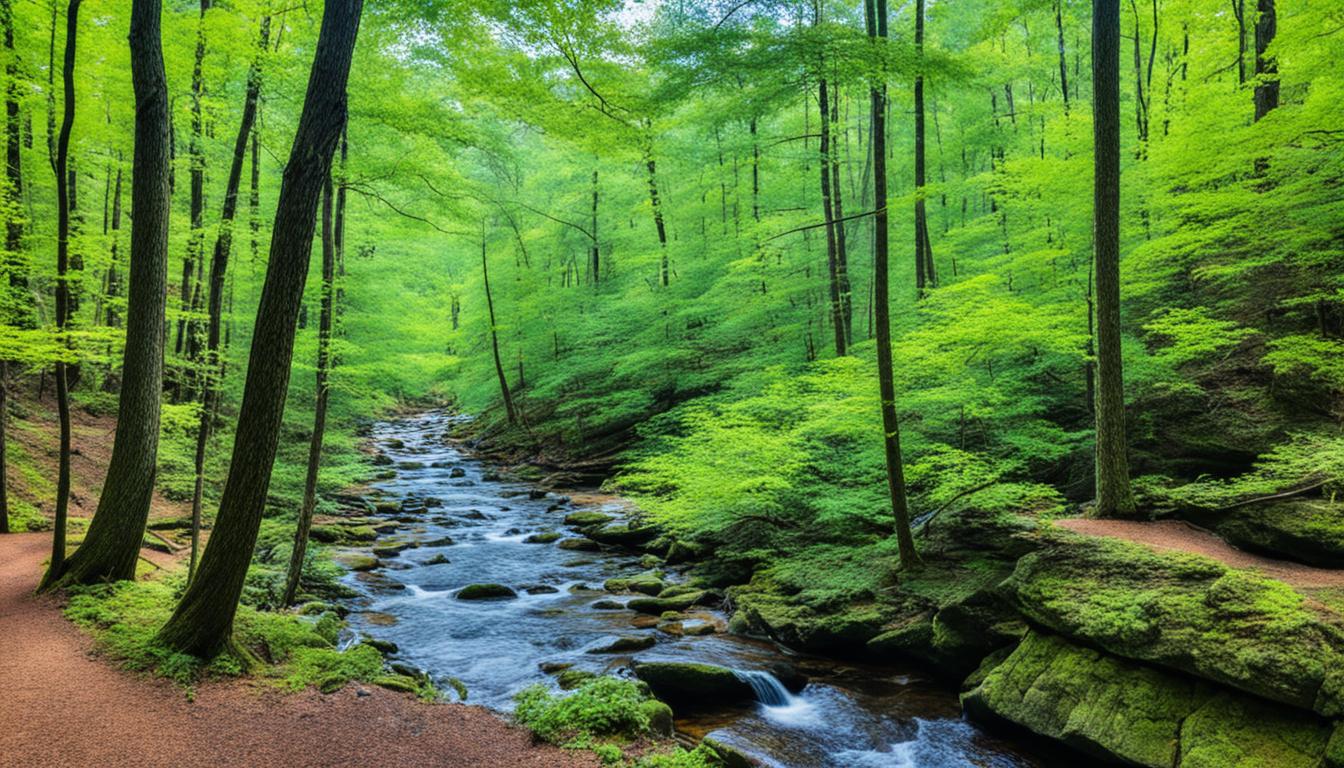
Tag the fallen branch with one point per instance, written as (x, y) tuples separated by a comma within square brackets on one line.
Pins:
[(924, 524)]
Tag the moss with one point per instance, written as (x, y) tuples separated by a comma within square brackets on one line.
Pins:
[(847, 628), (690, 685), (601, 707), (124, 620), (656, 606), (544, 537), (1309, 531), (1117, 709), (587, 519), (1238, 732), (1189, 614)]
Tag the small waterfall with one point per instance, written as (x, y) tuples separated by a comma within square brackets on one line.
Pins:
[(769, 691)]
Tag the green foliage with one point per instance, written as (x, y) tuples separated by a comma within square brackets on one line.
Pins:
[(603, 707), (124, 618)]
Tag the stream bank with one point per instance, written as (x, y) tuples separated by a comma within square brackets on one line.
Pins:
[(558, 606), (1115, 652)]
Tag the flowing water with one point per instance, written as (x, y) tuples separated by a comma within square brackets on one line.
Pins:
[(474, 529)]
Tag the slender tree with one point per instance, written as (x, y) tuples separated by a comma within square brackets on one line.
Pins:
[(60, 166), (875, 13), (305, 523), (494, 335), (828, 214), (1063, 60), (1114, 498), (219, 267), (196, 156), (202, 623), (925, 275), (110, 549)]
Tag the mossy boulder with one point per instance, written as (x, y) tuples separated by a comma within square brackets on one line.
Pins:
[(336, 533), (399, 683), (486, 592), (543, 537), (570, 679), (656, 606), (357, 561), (693, 686), (622, 535), (1118, 710), (807, 628), (587, 519), (646, 583), (660, 718), (1189, 614), (579, 545), (955, 638), (1308, 531)]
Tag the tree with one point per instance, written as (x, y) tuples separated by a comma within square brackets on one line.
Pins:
[(925, 274), (875, 14), (219, 267), (202, 623), (300, 549), (1266, 71), (494, 335), (196, 156), (1114, 498), (12, 276), (110, 549), (60, 166)]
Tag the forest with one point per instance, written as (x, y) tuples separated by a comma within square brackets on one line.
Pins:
[(672, 383)]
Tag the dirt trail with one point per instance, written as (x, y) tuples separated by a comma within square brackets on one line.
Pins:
[(61, 706), (1178, 536)]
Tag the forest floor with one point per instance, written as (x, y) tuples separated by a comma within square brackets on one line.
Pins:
[(63, 706), (1178, 536)]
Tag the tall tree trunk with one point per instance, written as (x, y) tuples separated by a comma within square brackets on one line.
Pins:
[(828, 212), (664, 270), (1063, 60), (110, 549), (305, 522), (113, 289), (203, 621), (13, 277), (1266, 71), (196, 156), (494, 336), (755, 171), (1239, 12), (60, 165), (925, 274), (841, 240), (595, 253), (1114, 498), (219, 268), (875, 12), (254, 194)]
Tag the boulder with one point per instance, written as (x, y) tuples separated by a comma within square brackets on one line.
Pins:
[(660, 718), (570, 679), (357, 561), (627, 644), (486, 592), (1308, 531), (457, 472), (691, 686), (1189, 614), (587, 519), (1121, 711), (656, 606), (578, 545), (622, 535), (543, 537)]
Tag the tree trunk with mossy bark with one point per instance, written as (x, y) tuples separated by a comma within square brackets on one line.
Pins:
[(202, 623), (112, 546), (1114, 497)]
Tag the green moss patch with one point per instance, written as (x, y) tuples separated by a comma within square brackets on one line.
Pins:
[(1190, 614)]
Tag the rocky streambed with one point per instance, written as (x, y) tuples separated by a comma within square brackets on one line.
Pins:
[(486, 584), (1082, 650)]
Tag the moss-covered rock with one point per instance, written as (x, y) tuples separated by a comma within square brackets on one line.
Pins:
[(357, 561), (1308, 531), (486, 592), (587, 519), (660, 718), (399, 683), (622, 535), (1190, 614), (803, 627), (543, 537), (656, 606), (692, 686), (1120, 710)]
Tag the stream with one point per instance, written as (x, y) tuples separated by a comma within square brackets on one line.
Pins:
[(473, 529)]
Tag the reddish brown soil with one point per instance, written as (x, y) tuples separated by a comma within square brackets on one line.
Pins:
[(62, 706), (1177, 536)]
